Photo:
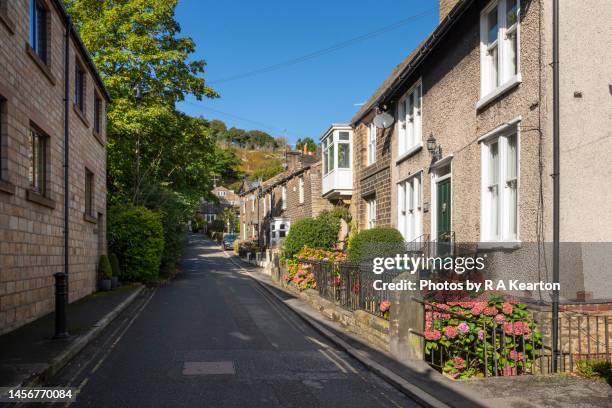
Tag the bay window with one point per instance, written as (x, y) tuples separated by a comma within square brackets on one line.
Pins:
[(500, 169), (344, 150), (410, 212), (499, 42), (409, 120)]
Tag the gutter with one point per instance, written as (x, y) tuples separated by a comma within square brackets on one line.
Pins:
[(437, 35)]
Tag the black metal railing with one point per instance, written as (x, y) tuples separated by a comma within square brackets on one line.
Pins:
[(351, 285)]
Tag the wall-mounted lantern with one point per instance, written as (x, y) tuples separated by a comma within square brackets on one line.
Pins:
[(434, 148)]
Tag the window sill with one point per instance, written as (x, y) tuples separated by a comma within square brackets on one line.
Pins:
[(6, 20), (411, 152), (499, 91), (42, 65), (90, 218), (499, 245), (7, 187), (37, 198), (81, 115), (98, 137)]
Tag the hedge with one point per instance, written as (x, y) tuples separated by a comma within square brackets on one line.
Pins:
[(311, 232), (371, 243), (136, 236)]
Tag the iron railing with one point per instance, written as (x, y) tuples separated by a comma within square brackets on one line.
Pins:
[(514, 347), (351, 285)]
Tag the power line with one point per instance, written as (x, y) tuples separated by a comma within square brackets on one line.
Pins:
[(324, 51), (282, 130)]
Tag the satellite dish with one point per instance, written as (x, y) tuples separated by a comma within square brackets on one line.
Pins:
[(383, 120)]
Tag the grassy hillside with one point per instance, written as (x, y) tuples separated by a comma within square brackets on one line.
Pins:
[(252, 160)]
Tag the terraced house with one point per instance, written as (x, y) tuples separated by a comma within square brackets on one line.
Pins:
[(269, 208), (469, 157), (37, 76)]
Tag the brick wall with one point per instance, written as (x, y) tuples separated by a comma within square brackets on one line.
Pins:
[(31, 226)]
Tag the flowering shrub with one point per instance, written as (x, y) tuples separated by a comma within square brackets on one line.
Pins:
[(300, 275), (480, 335), (316, 254)]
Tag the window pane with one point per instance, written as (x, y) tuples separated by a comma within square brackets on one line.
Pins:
[(344, 136), (331, 157), (512, 158), (494, 69), (344, 156), (493, 188), (511, 12), (492, 26), (493, 164), (511, 60)]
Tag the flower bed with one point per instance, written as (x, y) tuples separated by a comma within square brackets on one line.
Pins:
[(474, 336)]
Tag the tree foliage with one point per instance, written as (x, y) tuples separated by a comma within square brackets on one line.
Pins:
[(308, 142)]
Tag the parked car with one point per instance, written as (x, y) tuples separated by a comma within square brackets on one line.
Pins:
[(228, 241)]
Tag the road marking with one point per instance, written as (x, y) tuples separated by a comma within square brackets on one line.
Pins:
[(335, 353), (105, 355), (333, 361)]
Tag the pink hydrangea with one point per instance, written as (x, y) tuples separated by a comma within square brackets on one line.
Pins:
[(509, 371), (500, 319), (432, 335), (463, 327), (450, 332), (458, 363), (490, 311), (516, 356), (517, 328), (384, 306), (507, 308), (478, 308), (481, 334)]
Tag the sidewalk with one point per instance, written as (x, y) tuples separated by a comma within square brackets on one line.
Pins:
[(422, 382), (29, 353)]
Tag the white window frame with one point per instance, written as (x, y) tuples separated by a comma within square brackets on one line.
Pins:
[(503, 44), (372, 133), (410, 207), (301, 190), (505, 184), (371, 213), (410, 119), (284, 197), (252, 203)]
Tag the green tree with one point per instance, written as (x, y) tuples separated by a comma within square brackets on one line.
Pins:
[(310, 144)]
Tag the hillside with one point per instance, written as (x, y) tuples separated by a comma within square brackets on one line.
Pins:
[(253, 160)]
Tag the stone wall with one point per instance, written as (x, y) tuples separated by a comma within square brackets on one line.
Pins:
[(31, 224)]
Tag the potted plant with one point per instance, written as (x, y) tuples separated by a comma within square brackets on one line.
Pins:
[(114, 263), (106, 272)]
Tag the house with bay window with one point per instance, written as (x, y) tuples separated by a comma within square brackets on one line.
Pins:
[(469, 156)]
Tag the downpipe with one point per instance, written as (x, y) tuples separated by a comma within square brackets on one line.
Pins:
[(556, 188)]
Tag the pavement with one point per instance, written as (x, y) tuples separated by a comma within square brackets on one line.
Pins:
[(212, 337), (29, 354)]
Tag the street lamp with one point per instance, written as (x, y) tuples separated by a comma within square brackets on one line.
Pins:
[(433, 147)]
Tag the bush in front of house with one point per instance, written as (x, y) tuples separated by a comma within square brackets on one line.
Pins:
[(136, 236), (114, 263), (311, 232), (375, 242), (104, 267)]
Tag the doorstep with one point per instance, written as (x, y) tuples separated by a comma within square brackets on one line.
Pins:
[(29, 354)]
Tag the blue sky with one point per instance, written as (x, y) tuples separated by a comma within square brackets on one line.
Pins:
[(299, 100)]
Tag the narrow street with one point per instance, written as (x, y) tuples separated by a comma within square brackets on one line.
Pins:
[(213, 338)]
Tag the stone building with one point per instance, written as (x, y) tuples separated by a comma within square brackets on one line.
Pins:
[(32, 132), (469, 157), (268, 209), (224, 198)]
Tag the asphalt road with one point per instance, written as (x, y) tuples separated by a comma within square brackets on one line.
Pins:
[(213, 338)]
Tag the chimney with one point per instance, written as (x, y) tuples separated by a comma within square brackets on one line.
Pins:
[(446, 6)]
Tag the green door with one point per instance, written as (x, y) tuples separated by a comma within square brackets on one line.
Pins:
[(443, 216)]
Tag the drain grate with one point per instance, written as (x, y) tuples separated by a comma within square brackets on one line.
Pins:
[(208, 367)]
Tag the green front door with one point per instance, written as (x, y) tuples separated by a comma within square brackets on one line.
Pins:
[(443, 216)]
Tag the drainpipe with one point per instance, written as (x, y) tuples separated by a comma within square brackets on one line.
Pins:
[(62, 289), (556, 185)]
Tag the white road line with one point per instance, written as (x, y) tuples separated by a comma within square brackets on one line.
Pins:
[(335, 353)]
